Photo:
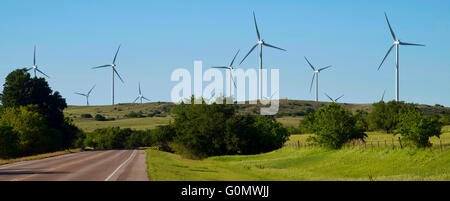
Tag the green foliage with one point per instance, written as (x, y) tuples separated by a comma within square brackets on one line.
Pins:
[(417, 129), (99, 117), (117, 138), (133, 114), (361, 120), (306, 125), (385, 116), (333, 126), (445, 119), (86, 116), (31, 127), (35, 113), (202, 130), (8, 142)]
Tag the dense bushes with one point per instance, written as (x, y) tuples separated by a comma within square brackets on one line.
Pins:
[(333, 126), (202, 130), (417, 129), (34, 114), (117, 138)]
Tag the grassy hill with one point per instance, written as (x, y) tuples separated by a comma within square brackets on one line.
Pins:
[(311, 163), (158, 113)]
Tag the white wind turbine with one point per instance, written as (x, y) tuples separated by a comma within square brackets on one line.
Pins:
[(334, 100), (113, 67), (316, 76), (140, 96), (230, 67), (397, 44), (86, 95), (261, 43), (35, 67)]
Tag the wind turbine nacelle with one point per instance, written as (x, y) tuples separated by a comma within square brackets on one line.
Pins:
[(396, 42), (260, 42)]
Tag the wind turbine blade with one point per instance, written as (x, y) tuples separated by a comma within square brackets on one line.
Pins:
[(114, 69), (312, 81), (91, 90), (114, 61), (256, 26), (140, 88), (389, 51), (249, 53), (329, 97), (382, 97), (80, 94), (136, 99), (324, 68), (223, 67), (234, 57), (310, 64), (412, 44), (146, 98), (269, 45), (273, 94), (43, 73), (29, 68), (232, 79), (108, 65), (390, 28), (34, 56), (338, 98)]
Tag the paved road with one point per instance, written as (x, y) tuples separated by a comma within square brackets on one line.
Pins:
[(110, 165)]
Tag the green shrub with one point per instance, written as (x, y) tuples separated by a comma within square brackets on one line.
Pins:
[(33, 133), (417, 129), (86, 116), (202, 130), (135, 115), (333, 126), (117, 138), (99, 117), (385, 116), (445, 119)]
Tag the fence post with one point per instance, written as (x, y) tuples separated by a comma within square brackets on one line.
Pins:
[(378, 144), (385, 145), (399, 141), (298, 143)]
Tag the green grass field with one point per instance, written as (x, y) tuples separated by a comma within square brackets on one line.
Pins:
[(299, 164), (134, 123), (376, 162)]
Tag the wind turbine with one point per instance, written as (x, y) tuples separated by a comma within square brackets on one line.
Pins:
[(261, 43), (86, 95), (397, 44), (35, 67), (140, 96), (334, 100), (316, 76), (113, 67), (230, 67)]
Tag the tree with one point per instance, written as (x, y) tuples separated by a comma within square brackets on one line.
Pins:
[(34, 136), (8, 142), (385, 116), (417, 129), (334, 125)]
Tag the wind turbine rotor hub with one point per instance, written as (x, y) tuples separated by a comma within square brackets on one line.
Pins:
[(397, 42), (260, 42)]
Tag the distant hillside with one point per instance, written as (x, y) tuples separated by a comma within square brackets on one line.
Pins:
[(295, 108)]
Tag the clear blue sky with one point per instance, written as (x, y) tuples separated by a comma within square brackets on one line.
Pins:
[(160, 36)]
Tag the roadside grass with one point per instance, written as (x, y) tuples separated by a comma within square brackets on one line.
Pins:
[(353, 163), (292, 122), (39, 156), (311, 163)]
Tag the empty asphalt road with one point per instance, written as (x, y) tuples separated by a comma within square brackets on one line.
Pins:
[(109, 165)]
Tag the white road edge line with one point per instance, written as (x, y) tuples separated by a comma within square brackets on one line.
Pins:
[(112, 174)]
